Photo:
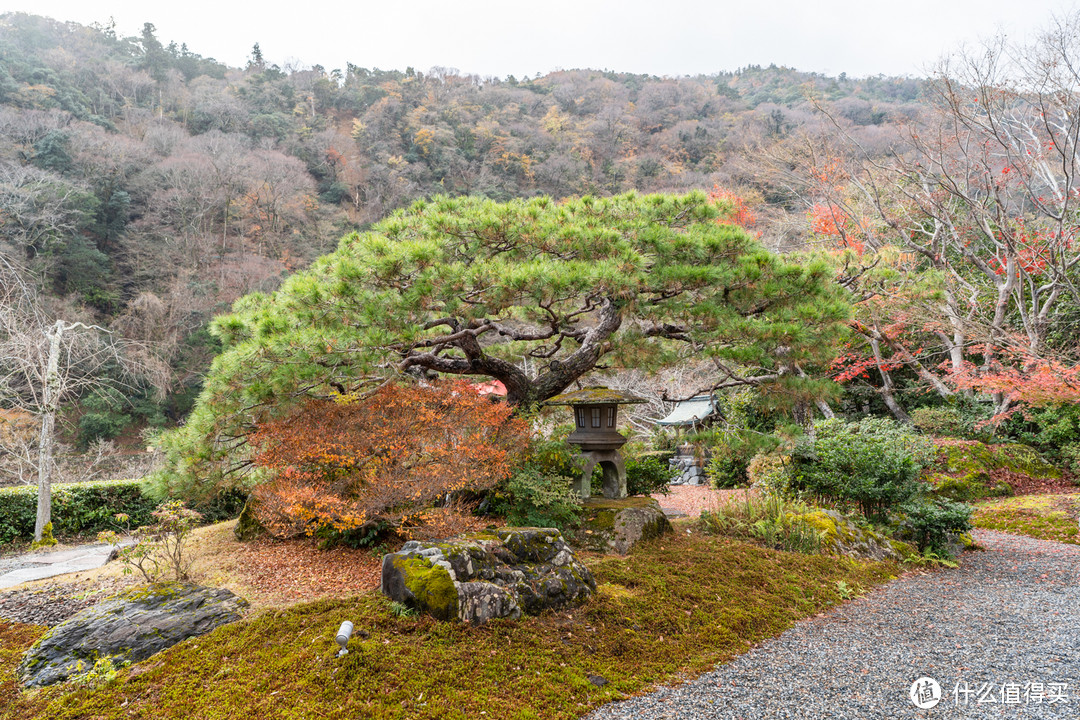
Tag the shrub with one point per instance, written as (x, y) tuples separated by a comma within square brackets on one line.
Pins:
[(78, 508), (103, 419), (648, 474), (384, 459), (534, 498), (159, 551), (929, 523), (769, 473), (940, 421), (1070, 459), (728, 465), (100, 426), (1050, 429), (554, 456), (874, 464)]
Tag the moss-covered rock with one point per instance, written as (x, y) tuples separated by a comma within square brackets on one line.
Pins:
[(616, 526), (497, 573), (971, 486), (130, 626), (248, 526), (840, 536), (966, 457)]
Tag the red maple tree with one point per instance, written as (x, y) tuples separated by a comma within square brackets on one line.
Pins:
[(383, 460)]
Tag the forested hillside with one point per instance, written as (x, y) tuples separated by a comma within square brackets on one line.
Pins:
[(144, 187)]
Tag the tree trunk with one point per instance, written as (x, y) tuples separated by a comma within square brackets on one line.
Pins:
[(50, 402), (887, 388)]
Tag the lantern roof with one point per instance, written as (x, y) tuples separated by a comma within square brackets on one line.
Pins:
[(595, 395)]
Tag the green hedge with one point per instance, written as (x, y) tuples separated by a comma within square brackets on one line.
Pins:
[(77, 508), (87, 508)]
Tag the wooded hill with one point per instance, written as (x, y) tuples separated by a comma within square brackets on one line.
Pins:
[(146, 187)]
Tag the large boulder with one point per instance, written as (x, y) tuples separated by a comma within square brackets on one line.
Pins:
[(492, 574), (840, 536), (247, 526), (130, 626), (615, 526)]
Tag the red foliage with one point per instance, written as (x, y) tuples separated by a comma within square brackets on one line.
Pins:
[(386, 458), (1033, 248), (850, 366), (1028, 380), (829, 221), (741, 215)]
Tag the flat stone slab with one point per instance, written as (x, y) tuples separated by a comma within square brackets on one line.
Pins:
[(130, 627)]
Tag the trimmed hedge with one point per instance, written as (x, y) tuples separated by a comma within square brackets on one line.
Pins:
[(87, 508), (78, 508)]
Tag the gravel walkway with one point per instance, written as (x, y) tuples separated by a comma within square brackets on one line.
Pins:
[(690, 500), (1007, 620)]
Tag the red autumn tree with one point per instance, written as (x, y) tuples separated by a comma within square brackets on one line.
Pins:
[(382, 460), (1025, 380), (740, 213)]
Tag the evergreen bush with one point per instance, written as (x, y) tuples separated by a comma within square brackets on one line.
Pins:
[(873, 464)]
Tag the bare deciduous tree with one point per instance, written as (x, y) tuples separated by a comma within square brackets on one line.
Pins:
[(46, 362)]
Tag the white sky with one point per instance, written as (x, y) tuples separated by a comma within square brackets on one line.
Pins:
[(660, 37)]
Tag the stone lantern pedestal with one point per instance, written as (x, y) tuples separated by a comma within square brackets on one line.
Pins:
[(595, 419)]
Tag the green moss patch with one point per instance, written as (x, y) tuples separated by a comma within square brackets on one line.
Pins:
[(1047, 517), (968, 487), (968, 471), (15, 639), (678, 605), (431, 585), (969, 456)]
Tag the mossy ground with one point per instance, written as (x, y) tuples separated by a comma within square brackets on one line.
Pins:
[(971, 456), (1047, 517), (968, 470), (678, 605)]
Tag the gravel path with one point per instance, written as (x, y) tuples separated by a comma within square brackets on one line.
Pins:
[(1009, 617), (690, 500), (50, 605)]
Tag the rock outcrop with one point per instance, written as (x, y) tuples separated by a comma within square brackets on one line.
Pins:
[(130, 627), (840, 536), (492, 574), (616, 526)]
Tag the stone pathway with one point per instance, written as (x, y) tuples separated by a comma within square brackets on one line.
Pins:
[(1000, 637), (19, 569)]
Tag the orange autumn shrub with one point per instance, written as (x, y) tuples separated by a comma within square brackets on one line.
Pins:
[(385, 459)]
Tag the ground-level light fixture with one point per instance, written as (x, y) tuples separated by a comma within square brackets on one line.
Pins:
[(343, 634)]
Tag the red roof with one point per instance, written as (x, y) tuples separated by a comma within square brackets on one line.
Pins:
[(494, 387)]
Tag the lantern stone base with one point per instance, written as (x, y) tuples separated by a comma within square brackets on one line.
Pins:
[(617, 526), (611, 463)]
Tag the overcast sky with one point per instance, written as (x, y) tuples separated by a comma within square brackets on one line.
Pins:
[(660, 37)]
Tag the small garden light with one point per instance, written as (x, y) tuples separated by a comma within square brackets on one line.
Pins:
[(343, 634)]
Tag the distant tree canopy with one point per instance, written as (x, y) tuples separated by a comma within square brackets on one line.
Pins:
[(535, 293)]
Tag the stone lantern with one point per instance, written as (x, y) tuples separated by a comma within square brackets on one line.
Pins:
[(596, 415)]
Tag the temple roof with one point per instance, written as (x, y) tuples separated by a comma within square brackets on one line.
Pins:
[(595, 395), (691, 412)]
